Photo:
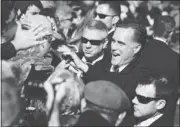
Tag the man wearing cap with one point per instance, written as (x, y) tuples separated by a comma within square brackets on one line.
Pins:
[(105, 99)]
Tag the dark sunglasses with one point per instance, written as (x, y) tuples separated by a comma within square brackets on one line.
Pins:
[(102, 16), (145, 100), (92, 42)]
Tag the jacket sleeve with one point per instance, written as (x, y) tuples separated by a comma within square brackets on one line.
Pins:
[(7, 51)]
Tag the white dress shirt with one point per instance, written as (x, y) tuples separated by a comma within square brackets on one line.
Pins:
[(93, 62), (112, 69), (149, 121), (161, 39)]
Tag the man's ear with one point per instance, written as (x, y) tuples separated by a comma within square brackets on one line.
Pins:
[(115, 19), (105, 43), (120, 118), (137, 48), (160, 104)]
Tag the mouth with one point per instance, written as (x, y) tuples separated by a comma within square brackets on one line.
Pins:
[(25, 26), (87, 52), (135, 109), (115, 54)]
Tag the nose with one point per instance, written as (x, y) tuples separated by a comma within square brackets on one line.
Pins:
[(135, 101), (97, 17), (88, 45), (114, 45)]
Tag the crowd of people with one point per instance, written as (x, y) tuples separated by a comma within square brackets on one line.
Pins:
[(90, 63)]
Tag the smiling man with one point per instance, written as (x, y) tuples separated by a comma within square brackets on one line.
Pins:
[(127, 42)]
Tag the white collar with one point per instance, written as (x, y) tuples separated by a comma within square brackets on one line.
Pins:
[(149, 121), (95, 61), (119, 69), (113, 29), (161, 39)]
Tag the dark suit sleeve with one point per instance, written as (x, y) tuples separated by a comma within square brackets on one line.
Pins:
[(7, 51)]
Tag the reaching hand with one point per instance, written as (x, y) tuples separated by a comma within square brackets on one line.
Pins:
[(54, 84), (27, 38), (78, 63)]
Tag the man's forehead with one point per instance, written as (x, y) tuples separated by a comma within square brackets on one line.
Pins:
[(37, 20), (124, 34), (95, 33), (146, 90), (105, 9)]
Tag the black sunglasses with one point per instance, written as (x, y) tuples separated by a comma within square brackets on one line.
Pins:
[(145, 100), (92, 42), (102, 16)]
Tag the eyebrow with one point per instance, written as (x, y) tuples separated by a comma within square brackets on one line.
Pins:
[(120, 42)]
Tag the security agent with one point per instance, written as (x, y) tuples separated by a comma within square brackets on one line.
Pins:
[(150, 101)]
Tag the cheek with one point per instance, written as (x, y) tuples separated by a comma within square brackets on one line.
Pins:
[(145, 110)]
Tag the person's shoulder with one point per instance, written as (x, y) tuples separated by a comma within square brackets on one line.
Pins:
[(162, 121)]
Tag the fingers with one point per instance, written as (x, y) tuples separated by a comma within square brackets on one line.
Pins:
[(39, 29), (42, 34)]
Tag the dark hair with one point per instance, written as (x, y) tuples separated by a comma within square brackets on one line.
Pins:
[(7, 7), (98, 25), (23, 5), (163, 25), (140, 34), (162, 88), (48, 12), (114, 5)]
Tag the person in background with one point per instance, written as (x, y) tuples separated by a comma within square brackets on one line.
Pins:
[(48, 3), (105, 99), (11, 104), (167, 61), (23, 10), (108, 13), (163, 28), (64, 16), (150, 101)]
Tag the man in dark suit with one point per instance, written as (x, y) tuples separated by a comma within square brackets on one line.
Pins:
[(150, 101), (108, 12), (126, 45), (94, 42), (160, 59)]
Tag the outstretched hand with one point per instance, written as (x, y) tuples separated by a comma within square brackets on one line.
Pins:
[(25, 39)]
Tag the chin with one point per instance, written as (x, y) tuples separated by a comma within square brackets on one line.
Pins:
[(137, 115), (114, 63)]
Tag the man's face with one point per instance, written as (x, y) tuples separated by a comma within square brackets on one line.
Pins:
[(124, 11), (104, 14), (93, 51), (123, 46), (144, 109)]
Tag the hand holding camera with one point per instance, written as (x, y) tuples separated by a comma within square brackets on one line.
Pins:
[(72, 59)]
